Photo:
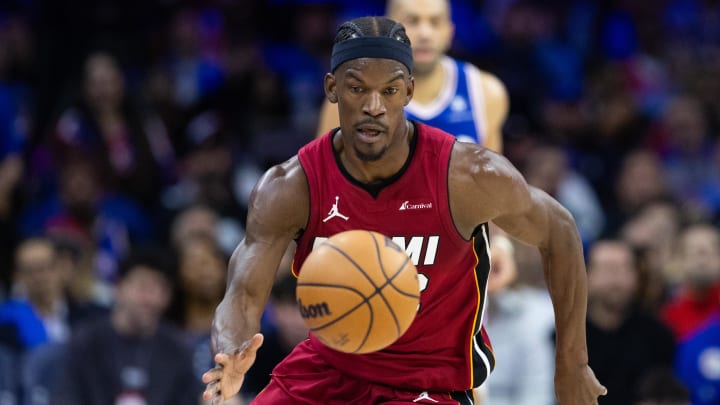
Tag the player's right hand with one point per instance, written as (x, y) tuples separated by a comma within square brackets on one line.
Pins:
[(225, 379)]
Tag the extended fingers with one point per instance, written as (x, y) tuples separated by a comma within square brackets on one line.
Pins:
[(212, 390), (256, 341), (212, 375)]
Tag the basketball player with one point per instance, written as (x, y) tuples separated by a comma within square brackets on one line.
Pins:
[(373, 163), (452, 95)]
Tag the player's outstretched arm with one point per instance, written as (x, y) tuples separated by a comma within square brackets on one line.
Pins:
[(533, 217), (278, 210)]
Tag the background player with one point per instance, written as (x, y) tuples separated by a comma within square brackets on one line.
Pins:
[(375, 158), (450, 94)]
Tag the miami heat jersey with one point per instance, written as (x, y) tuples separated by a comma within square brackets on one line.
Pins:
[(445, 348), (459, 109)]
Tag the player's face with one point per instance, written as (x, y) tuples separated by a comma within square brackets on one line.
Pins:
[(428, 24), (371, 94)]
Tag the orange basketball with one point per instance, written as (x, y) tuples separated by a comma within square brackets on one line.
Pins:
[(358, 291)]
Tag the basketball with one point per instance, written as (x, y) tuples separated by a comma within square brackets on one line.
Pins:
[(358, 291)]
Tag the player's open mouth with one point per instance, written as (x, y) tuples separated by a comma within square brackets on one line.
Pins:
[(369, 133)]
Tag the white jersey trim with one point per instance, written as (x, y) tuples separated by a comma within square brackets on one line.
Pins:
[(429, 111), (478, 333), (477, 101)]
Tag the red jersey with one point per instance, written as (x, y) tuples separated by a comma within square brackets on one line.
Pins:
[(445, 348)]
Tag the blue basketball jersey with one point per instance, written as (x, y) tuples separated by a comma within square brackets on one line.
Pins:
[(459, 108)]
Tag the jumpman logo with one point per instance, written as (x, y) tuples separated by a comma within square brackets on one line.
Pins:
[(334, 212), (424, 395)]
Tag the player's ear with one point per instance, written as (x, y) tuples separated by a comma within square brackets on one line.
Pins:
[(330, 84), (410, 90)]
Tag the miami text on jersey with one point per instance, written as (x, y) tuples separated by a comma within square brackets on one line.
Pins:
[(416, 247)]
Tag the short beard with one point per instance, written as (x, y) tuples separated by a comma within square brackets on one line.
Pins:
[(370, 157)]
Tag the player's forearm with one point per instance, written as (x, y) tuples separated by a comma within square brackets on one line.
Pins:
[(236, 321), (237, 318), (567, 283)]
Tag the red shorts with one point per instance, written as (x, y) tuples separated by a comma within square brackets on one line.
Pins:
[(303, 378)]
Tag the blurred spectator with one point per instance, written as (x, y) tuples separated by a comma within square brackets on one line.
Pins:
[(698, 363), (202, 221), (83, 211), (16, 53), (624, 344), (661, 387), (8, 376), (202, 274), (205, 172), (41, 311), (39, 371), (653, 234), (130, 150), (283, 329), (690, 156), (197, 221), (75, 259), (303, 61), (525, 374), (547, 168), (193, 61), (698, 295), (132, 357), (640, 181)]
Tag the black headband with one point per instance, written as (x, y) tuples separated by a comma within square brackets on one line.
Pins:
[(371, 47)]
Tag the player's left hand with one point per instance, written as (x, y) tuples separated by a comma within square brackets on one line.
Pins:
[(577, 386)]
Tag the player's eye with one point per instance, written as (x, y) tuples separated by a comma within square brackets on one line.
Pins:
[(391, 90), (411, 20), (355, 89)]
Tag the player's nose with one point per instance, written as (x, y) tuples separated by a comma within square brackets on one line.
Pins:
[(374, 105)]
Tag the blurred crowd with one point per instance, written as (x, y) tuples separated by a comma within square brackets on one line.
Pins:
[(133, 131)]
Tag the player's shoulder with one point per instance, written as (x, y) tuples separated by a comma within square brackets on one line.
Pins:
[(478, 161), (281, 183), (283, 177), (490, 175), (281, 196), (489, 83)]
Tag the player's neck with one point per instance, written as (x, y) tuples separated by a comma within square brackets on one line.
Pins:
[(428, 84), (386, 167)]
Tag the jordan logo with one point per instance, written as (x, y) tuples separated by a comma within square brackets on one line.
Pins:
[(425, 396), (334, 212)]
